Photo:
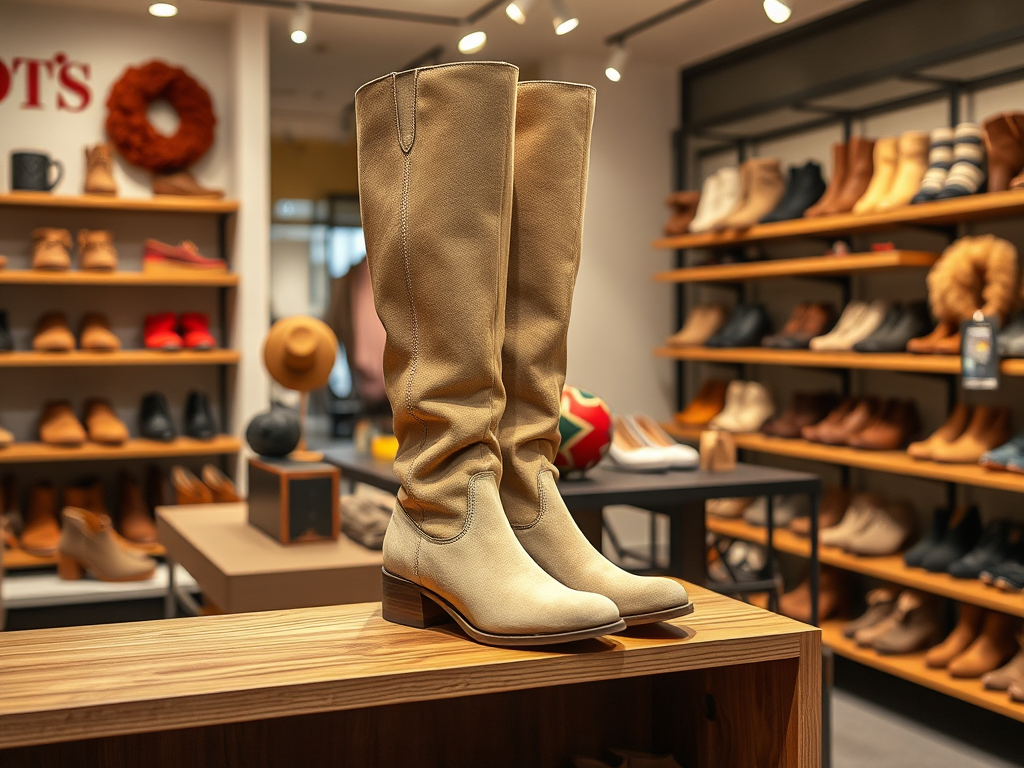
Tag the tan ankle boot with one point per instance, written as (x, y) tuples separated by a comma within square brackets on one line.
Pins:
[(552, 154), (53, 334), (96, 250), (95, 335), (188, 488), (59, 426), (220, 485), (103, 425), (884, 165), (966, 632), (133, 516), (435, 157), (51, 249), (911, 164), (41, 533), (99, 170), (88, 544)]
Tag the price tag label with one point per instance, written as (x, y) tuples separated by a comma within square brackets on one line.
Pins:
[(978, 356)]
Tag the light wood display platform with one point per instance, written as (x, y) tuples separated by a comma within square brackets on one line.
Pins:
[(888, 568), (807, 358), (912, 667), (730, 685), (242, 569), (21, 453), (992, 205), (848, 264), (893, 462), (85, 358)]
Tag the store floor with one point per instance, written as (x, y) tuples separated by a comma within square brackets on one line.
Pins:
[(883, 722)]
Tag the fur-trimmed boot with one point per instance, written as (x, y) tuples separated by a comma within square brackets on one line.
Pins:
[(435, 149)]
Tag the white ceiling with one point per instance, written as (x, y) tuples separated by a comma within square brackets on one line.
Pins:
[(314, 82)]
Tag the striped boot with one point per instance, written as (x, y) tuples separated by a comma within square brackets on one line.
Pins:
[(940, 159), (968, 173)]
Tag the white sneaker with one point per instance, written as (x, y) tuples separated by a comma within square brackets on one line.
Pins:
[(629, 452), (677, 455)]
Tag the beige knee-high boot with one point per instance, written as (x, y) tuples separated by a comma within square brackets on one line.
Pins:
[(435, 180), (552, 153)]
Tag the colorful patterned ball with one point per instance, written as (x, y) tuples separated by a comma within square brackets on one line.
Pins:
[(585, 425)]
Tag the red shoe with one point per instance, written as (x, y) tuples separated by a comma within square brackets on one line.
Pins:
[(161, 257), (160, 332), (195, 329)]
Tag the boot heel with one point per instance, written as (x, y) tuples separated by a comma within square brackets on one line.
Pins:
[(404, 603), (69, 568)]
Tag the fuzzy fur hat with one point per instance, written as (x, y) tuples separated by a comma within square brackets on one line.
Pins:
[(975, 273)]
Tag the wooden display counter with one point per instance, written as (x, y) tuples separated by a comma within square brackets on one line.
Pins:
[(730, 685)]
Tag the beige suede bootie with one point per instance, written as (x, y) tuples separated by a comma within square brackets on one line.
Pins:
[(99, 170), (96, 250), (435, 150), (884, 161), (552, 154), (89, 544), (912, 162), (51, 249)]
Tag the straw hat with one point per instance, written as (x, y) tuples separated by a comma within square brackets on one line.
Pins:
[(299, 352)]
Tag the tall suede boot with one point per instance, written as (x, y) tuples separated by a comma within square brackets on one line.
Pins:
[(435, 149), (552, 153)]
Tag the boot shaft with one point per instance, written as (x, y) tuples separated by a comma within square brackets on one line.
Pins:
[(435, 150)]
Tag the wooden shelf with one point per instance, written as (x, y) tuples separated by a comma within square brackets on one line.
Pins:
[(20, 560), (893, 462), (992, 205), (127, 357), (22, 453), (854, 263), (155, 204), (888, 568), (809, 358), (912, 667), (133, 279)]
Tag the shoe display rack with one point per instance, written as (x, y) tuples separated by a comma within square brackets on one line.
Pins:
[(223, 358), (890, 568), (352, 678)]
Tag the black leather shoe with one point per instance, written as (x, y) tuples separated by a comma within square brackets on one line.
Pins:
[(6, 342), (198, 419), (155, 418), (804, 189), (961, 537), (997, 544), (914, 557), (747, 326), (912, 322)]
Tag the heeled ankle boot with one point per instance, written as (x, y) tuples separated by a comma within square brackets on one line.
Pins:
[(220, 485), (188, 488), (910, 170), (88, 544), (1004, 143), (860, 166), (134, 519), (435, 149), (41, 534), (884, 163), (835, 184), (552, 153), (966, 631)]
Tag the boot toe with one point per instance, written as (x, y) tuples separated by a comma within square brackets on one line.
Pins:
[(649, 594)]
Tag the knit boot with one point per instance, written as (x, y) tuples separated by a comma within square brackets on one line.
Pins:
[(968, 174), (435, 150), (884, 162), (910, 169), (1004, 144), (835, 183), (940, 160), (99, 170), (552, 150)]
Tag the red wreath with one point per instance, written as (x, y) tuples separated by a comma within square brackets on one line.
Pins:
[(137, 140)]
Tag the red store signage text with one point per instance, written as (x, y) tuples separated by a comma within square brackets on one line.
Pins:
[(26, 75)]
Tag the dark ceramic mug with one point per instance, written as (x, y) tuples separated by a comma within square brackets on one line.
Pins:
[(30, 171)]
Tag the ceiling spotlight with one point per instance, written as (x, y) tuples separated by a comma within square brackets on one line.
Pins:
[(163, 10), (616, 62), (516, 10), (562, 20), (472, 40), (777, 11), (302, 20)]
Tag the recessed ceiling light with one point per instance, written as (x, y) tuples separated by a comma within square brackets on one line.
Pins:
[(777, 11), (472, 41), (163, 10)]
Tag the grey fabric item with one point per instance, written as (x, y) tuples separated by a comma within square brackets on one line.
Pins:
[(365, 515)]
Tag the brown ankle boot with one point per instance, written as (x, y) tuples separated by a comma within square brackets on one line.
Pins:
[(951, 430), (897, 424), (988, 428), (885, 158), (684, 208), (99, 170), (133, 516), (103, 425), (96, 250), (95, 335), (1004, 143), (220, 485), (860, 166), (51, 249), (53, 334), (993, 647), (835, 184), (41, 534), (926, 345), (966, 632), (58, 425), (708, 403), (188, 488)]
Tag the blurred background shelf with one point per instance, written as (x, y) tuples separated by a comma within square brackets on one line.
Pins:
[(131, 279), (125, 357), (20, 453), (853, 263), (155, 204)]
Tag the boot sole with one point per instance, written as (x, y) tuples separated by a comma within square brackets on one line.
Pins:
[(637, 619), (411, 605)]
